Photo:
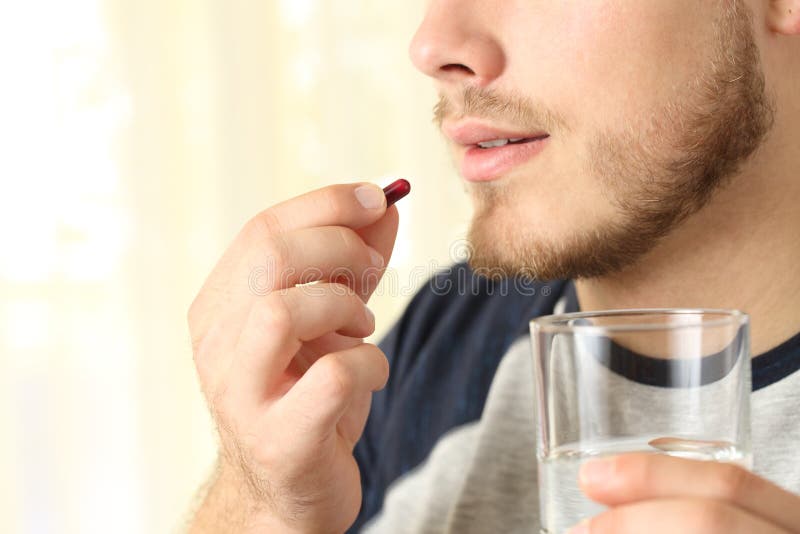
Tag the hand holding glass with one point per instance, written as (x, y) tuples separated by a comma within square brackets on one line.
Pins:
[(664, 381)]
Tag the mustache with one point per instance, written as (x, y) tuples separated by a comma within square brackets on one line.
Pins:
[(512, 108)]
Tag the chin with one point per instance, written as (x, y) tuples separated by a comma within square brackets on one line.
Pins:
[(510, 243)]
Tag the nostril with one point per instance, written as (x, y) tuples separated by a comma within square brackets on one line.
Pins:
[(457, 67)]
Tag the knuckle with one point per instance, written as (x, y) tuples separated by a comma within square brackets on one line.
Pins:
[(263, 224), (275, 314), (357, 306), (338, 382), (276, 252), (348, 239), (332, 199), (733, 481)]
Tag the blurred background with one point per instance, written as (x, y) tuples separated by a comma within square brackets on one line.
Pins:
[(136, 138)]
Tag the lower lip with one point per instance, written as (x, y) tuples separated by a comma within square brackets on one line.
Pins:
[(486, 164)]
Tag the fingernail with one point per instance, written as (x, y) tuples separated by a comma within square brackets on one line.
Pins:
[(580, 528), (370, 196), (375, 257), (597, 472)]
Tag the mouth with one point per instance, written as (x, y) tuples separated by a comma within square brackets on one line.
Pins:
[(488, 153), (496, 143), (491, 160)]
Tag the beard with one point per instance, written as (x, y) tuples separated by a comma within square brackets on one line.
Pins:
[(655, 176)]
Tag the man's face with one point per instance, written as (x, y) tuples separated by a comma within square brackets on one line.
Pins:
[(647, 108)]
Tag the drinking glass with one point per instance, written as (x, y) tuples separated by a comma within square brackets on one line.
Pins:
[(662, 381)]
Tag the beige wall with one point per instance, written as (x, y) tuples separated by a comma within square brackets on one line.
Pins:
[(138, 137)]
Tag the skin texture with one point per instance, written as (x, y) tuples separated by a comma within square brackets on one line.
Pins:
[(670, 180)]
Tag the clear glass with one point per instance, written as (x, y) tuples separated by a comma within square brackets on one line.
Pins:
[(663, 381)]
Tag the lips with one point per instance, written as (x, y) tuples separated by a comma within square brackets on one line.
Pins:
[(488, 153), (468, 133)]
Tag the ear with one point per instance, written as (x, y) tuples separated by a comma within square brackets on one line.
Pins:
[(784, 16)]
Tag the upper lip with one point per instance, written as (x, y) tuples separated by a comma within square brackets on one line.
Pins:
[(472, 132)]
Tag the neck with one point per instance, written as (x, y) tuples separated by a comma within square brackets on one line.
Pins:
[(741, 251)]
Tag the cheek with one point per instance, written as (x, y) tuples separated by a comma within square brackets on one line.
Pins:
[(598, 61)]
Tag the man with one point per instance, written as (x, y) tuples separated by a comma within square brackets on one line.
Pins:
[(622, 153)]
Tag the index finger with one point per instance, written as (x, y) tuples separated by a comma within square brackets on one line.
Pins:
[(353, 205), (636, 477)]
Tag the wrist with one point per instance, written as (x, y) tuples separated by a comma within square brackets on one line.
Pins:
[(231, 505)]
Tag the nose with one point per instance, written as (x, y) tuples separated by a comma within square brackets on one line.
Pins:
[(457, 43)]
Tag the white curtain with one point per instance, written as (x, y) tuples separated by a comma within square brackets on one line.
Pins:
[(136, 138)]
